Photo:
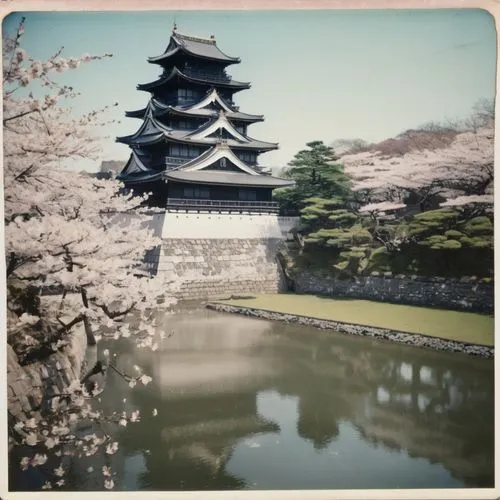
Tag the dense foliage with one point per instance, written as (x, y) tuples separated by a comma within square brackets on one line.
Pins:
[(418, 204), (317, 173)]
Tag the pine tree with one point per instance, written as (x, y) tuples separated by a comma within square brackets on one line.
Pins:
[(316, 173)]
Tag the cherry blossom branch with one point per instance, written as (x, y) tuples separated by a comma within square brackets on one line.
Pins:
[(116, 314), (132, 381)]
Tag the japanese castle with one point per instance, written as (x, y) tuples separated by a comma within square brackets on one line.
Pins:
[(193, 151)]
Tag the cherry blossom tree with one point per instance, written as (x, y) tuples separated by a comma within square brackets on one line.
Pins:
[(73, 235), (461, 171)]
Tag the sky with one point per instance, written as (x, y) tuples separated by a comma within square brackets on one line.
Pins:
[(316, 75)]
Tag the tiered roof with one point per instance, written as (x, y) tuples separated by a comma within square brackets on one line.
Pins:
[(218, 127), (203, 48), (137, 172), (153, 132), (226, 178), (207, 107), (176, 75)]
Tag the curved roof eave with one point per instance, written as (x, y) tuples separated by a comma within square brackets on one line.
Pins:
[(176, 72), (138, 113), (223, 178), (165, 55), (204, 112), (141, 178), (212, 97), (140, 171), (162, 57), (141, 140), (203, 48), (214, 125), (260, 146), (214, 154)]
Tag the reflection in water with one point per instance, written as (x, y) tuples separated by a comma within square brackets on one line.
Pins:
[(246, 403)]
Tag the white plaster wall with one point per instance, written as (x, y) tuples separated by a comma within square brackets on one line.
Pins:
[(216, 226), (220, 226)]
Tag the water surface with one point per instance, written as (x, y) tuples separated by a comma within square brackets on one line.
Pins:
[(251, 404)]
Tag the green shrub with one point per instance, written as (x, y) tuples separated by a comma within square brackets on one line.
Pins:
[(479, 226)]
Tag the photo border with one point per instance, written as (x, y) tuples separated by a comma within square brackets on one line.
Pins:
[(9, 6)]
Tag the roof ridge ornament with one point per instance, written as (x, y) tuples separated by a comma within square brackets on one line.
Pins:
[(196, 38)]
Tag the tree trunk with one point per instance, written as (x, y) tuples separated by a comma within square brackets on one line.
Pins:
[(88, 328)]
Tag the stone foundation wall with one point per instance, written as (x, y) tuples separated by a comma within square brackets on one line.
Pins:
[(209, 268), (30, 387), (462, 294), (216, 255)]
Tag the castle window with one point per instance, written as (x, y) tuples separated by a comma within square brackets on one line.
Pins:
[(184, 151), (188, 93), (196, 192), (185, 96), (247, 195), (246, 156)]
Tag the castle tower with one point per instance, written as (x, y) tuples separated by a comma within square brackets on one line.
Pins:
[(193, 151)]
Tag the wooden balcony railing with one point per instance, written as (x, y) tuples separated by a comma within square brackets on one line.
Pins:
[(176, 160), (196, 204), (206, 75)]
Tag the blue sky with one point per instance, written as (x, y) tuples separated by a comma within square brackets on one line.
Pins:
[(315, 74)]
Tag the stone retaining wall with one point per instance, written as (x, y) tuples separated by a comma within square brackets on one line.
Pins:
[(30, 386), (212, 268), (463, 294), (361, 330)]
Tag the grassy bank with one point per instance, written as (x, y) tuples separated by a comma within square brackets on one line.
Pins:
[(451, 325)]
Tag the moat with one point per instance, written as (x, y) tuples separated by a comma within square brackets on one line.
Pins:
[(250, 404)]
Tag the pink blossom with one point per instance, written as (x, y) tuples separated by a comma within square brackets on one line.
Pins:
[(51, 442), (31, 320), (31, 439), (73, 63), (36, 69), (20, 55), (109, 484), (59, 471), (112, 448), (384, 206), (25, 80), (38, 459)]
